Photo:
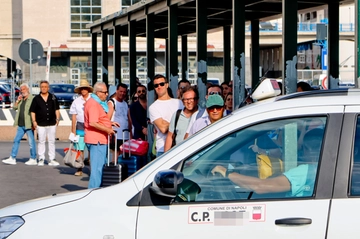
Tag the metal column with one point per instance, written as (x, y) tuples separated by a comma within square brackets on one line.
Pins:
[(132, 56), (255, 53), (333, 45), (357, 40), (173, 48), (104, 58), (201, 45), (117, 55), (150, 56), (289, 72), (184, 58), (239, 52), (93, 59), (227, 53)]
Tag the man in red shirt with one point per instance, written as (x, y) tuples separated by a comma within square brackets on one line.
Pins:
[(97, 128)]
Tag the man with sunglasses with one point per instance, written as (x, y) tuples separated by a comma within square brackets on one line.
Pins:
[(161, 111), (138, 113), (215, 111)]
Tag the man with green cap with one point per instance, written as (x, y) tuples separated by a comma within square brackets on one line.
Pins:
[(215, 109)]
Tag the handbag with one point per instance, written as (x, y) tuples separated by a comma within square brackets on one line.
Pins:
[(268, 166), (73, 158), (137, 147)]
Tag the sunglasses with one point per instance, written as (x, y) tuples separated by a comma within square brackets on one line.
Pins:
[(160, 84), (141, 91), (105, 92), (216, 107), (214, 93)]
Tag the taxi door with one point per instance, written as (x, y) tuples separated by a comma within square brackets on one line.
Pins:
[(208, 205), (345, 210)]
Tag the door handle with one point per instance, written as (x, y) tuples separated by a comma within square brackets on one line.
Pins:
[(295, 221)]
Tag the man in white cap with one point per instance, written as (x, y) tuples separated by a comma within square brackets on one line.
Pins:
[(77, 119)]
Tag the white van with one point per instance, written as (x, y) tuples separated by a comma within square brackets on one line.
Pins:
[(178, 196)]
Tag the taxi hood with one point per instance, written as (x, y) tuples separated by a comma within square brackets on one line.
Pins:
[(26, 207)]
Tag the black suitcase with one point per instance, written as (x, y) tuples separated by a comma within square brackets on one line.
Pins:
[(113, 173), (134, 163)]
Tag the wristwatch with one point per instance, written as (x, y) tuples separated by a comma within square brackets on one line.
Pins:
[(228, 171)]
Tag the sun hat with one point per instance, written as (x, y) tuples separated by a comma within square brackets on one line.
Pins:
[(214, 100), (83, 84)]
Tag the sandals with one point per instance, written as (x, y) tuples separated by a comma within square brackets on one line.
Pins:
[(78, 173)]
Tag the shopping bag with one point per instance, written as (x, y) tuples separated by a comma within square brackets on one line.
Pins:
[(73, 158), (137, 147)]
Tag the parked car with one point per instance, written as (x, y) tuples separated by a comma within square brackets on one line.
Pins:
[(64, 93), (178, 195), (5, 95), (7, 87)]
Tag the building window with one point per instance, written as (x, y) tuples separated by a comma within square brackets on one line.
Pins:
[(128, 3), (83, 12)]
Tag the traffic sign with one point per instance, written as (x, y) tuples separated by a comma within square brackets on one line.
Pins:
[(31, 51)]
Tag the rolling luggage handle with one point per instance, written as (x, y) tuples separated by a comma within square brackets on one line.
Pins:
[(115, 150), (123, 152)]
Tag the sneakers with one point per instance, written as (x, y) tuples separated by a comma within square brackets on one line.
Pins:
[(41, 162), (31, 161), (9, 160), (53, 163)]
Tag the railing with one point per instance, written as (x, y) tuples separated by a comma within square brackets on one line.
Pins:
[(307, 27)]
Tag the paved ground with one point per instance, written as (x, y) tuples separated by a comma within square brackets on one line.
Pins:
[(21, 182)]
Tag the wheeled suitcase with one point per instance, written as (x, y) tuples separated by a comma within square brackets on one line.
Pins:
[(113, 173), (134, 163)]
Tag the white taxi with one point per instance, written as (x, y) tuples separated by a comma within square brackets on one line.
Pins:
[(311, 139)]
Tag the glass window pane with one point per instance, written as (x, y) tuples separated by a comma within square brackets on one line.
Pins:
[(96, 10), (355, 176), (75, 10), (96, 17), (86, 18), (85, 33), (96, 2), (125, 3), (85, 2), (75, 33), (83, 25), (75, 2), (287, 151), (75, 17), (75, 25), (85, 10)]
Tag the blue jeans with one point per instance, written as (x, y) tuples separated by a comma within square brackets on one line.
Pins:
[(98, 154), (19, 134), (158, 154)]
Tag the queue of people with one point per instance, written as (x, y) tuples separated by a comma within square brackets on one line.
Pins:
[(96, 116)]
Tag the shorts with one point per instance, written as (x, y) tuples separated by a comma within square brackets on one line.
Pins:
[(81, 144), (112, 143)]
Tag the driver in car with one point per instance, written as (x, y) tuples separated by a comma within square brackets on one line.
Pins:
[(297, 182)]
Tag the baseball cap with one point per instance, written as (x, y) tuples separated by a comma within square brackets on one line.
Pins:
[(214, 100)]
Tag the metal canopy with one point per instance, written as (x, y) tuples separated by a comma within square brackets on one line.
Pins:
[(219, 14)]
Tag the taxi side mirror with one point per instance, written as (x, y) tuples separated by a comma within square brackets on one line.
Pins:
[(166, 183)]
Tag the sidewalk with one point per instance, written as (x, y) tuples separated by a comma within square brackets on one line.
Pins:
[(20, 182)]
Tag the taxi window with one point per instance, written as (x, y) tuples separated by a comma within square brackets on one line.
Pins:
[(355, 175), (276, 159)]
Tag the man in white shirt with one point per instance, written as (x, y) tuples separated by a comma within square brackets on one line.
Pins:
[(161, 111), (118, 112)]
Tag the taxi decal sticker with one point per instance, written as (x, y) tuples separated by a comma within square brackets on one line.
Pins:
[(235, 215)]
